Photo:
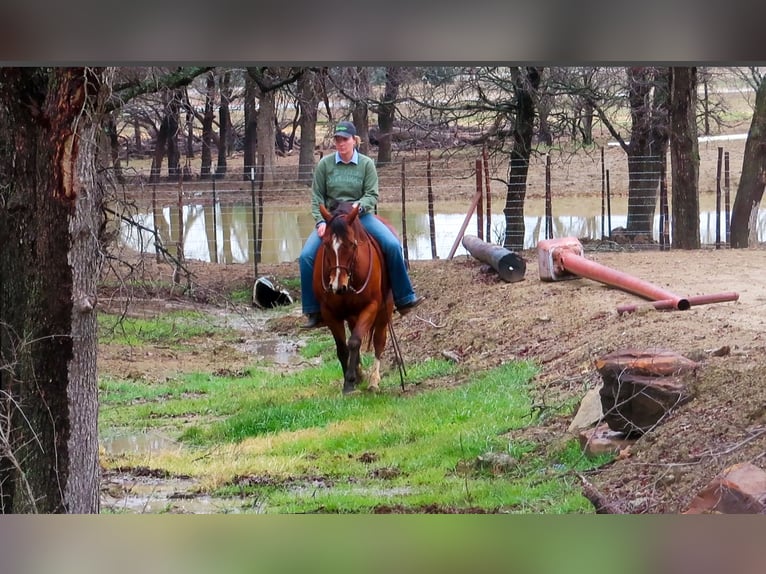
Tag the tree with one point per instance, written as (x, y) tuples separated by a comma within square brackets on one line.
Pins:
[(309, 94), (50, 214), (526, 82), (51, 129), (647, 93), (387, 114), (751, 183), (684, 157), (267, 81)]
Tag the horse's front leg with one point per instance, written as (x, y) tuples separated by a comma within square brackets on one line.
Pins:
[(338, 330), (353, 375)]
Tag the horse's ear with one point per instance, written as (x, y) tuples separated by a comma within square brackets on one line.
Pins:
[(326, 214), (353, 213)]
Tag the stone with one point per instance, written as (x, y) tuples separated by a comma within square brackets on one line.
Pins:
[(640, 388), (739, 489), (603, 440), (589, 412)]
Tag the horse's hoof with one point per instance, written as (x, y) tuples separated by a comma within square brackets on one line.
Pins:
[(375, 389), (349, 390)]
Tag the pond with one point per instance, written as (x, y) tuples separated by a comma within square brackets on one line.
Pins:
[(225, 235)]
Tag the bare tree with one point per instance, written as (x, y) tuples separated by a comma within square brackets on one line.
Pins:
[(387, 114), (751, 183), (684, 157), (309, 94)]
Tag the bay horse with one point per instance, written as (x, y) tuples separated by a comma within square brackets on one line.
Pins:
[(352, 285)]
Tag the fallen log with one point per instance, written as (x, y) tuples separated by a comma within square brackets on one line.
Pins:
[(509, 265)]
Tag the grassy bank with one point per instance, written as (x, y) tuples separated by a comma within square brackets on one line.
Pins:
[(290, 442)]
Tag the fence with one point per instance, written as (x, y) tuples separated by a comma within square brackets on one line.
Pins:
[(431, 201)]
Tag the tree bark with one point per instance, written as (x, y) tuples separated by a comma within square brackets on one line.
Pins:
[(684, 158), (207, 128), (251, 125), (224, 125), (50, 214), (387, 114), (359, 109), (751, 183), (265, 136), (525, 87), (648, 97), (308, 99)]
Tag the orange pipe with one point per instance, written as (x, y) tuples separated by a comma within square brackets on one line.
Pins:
[(583, 267), (693, 300)]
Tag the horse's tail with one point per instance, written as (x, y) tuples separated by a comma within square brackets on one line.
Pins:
[(386, 292)]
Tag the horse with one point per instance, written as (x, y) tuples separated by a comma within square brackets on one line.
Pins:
[(352, 285)]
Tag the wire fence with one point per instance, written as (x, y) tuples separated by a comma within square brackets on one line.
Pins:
[(431, 201)]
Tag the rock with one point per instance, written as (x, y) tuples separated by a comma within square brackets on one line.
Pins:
[(589, 412), (496, 462), (603, 440), (640, 388), (739, 489)]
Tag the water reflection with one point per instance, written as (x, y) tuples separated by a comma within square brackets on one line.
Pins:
[(226, 234)]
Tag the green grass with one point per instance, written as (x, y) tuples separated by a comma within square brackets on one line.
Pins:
[(322, 452), (170, 329)]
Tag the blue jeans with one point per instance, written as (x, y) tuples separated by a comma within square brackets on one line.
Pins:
[(392, 251)]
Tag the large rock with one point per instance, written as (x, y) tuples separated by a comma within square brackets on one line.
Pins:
[(641, 387), (740, 489)]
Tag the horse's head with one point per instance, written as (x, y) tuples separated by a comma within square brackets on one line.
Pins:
[(340, 246)]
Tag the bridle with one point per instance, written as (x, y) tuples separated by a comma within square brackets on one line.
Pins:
[(349, 269)]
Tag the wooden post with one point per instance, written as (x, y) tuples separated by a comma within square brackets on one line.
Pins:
[(727, 207), (608, 205), (180, 243), (255, 223), (663, 205), (431, 224), (603, 195), (261, 183), (548, 209), (480, 204), (488, 193), (154, 218), (404, 217), (463, 227), (214, 257), (719, 167)]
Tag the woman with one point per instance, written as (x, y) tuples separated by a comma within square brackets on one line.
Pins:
[(348, 175)]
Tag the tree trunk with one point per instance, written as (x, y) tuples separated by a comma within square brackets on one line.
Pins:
[(751, 183), (648, 97), (265, 136), (174, 151), (684, 158), (207, 128), (251, 123), (386, 115), (224, 125), (308, 99), (525, 87), (359, 109), (50, 214)]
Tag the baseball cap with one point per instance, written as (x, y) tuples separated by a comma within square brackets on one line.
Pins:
[(345, 129)]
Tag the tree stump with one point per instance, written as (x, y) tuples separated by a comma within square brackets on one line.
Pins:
[(641, 387)]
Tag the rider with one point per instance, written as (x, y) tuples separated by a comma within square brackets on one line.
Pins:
[(348, 175)]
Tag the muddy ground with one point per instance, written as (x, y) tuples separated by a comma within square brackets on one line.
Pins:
[(564, 326)]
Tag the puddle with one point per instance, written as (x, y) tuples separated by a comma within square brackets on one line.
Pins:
[(126, 493), (148, 442)]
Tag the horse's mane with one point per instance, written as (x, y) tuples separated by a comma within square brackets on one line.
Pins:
[(338, 225)]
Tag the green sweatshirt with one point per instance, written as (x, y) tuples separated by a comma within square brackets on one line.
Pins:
[(344, 182)]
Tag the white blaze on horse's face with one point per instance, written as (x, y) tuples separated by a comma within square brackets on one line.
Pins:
[(335, 274)]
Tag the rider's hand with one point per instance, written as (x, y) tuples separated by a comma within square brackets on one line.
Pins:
[(320, 229)]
